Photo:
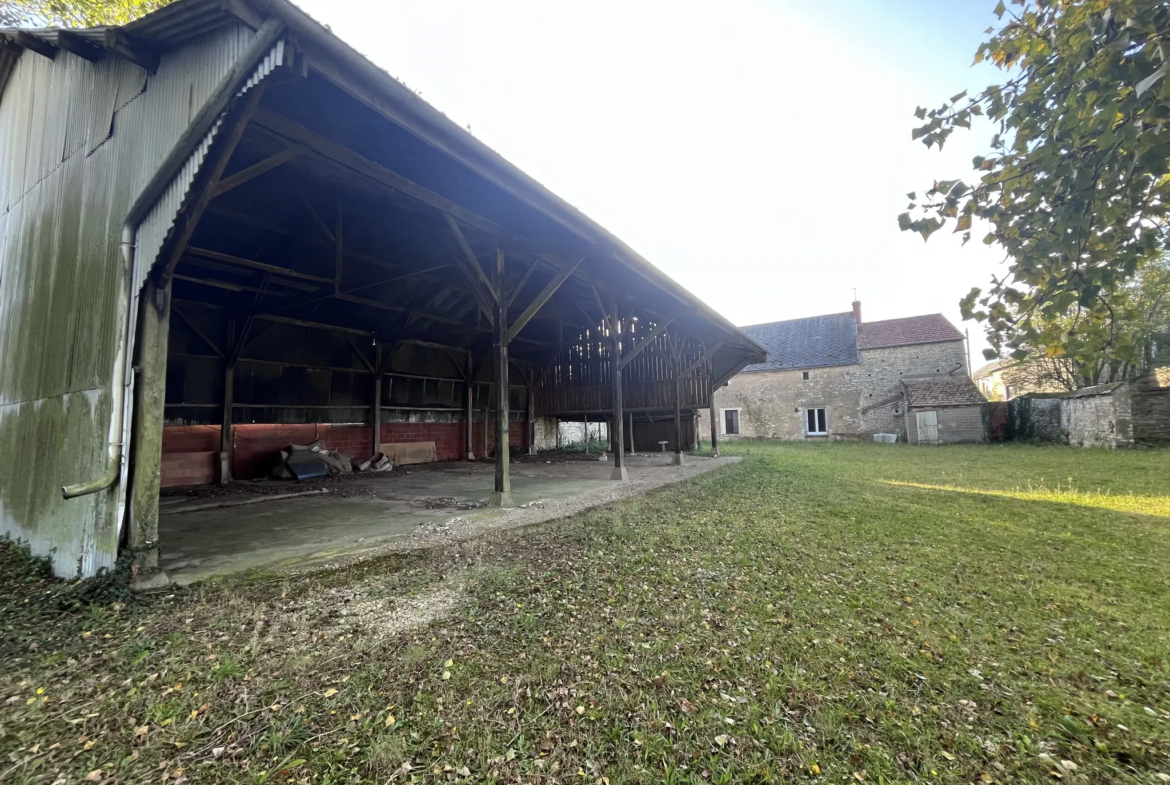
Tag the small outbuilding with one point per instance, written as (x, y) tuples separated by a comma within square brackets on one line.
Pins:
[(944, 410)]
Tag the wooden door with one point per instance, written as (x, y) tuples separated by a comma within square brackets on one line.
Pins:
[(927, 427)]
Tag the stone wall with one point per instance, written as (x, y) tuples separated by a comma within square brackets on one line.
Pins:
[(861, 399), (1151, 406), (1098, 420)]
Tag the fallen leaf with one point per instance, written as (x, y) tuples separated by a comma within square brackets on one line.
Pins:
[(329, 693)]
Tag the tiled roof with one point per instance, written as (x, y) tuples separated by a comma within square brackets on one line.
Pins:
[(931, 328), (815, 342), (927, 391)]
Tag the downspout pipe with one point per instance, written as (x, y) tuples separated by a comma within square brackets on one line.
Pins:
[(232, 82)]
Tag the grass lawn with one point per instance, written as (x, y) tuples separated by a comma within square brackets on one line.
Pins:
[(835, 613)]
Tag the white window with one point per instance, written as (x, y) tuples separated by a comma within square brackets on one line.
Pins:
[(816, 422), (729, 422)]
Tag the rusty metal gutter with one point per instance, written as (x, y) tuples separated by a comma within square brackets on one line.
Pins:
[(232, 82)]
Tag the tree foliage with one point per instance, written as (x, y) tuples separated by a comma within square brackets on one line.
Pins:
[(1075, 185), (77, 13), (1144, 326)]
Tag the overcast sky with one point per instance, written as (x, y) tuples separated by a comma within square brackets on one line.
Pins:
[(757, 152)]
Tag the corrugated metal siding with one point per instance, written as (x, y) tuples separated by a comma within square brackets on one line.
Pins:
[(78, 141), (157, 225)]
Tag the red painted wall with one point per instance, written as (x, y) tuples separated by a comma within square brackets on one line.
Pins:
[(257, 446)]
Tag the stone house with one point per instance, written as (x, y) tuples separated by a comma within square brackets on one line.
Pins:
[(1003, 380), (835, 376)]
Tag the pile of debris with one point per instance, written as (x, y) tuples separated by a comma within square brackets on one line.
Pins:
[(307, 461)]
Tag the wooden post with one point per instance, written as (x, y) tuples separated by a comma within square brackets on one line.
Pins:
[(617, 435), (469, 414), (678, 459), (633, 449), (714, 423), (146, 448), (586, 434), (376, 418), (226, 442), (502, 495), (531, 430)]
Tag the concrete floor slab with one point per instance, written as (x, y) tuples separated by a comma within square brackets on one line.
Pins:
[(366, 514)]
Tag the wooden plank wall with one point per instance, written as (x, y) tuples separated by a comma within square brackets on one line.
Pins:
[(579, 378)]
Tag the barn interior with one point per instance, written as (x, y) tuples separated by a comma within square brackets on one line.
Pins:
[(338, 274)]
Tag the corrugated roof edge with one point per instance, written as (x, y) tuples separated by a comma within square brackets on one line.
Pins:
[(185, 19)]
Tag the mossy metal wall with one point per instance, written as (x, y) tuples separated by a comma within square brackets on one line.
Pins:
[(78, 141)]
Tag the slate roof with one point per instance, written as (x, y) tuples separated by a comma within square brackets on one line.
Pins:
[(815, 342), (930, 391), (931, 328)]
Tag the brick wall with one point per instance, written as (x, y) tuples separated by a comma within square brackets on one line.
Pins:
[(257, 446), (857, 397)]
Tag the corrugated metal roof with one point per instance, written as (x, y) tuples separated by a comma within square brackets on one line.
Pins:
[(815, 342)]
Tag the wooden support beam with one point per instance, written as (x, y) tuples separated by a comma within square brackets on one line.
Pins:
[(468, 413), (338, 245), (318, 221), (340, 154), (34, 44), (287, 272), (649, 339), (255, 170), (676, 367), (520, 286), (195, 329), (271, 317), (502, 494), (72, 42), (542, 298), (147, 437), (376, 409), (227, 441), (620, 473), (225, 285), (371, 367), (134, 50), (704, 357), (486, 295), (714, 422)]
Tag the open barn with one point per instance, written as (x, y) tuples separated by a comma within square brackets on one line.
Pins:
[(225, 231)]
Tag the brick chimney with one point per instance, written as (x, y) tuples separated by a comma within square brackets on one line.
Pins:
[(857, 311)]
